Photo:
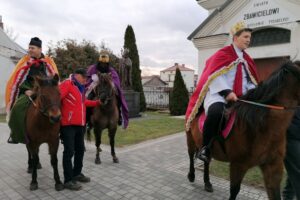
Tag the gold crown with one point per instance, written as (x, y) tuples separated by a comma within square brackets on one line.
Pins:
[(238, 27), (104, 56)]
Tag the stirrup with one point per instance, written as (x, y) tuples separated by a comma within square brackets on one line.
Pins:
[(203, 154)]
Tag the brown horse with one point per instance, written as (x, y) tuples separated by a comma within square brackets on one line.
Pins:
[(106, 115), (259, 134), (42, 125)]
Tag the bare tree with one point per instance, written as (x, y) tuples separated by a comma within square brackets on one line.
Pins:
[(9, 31)]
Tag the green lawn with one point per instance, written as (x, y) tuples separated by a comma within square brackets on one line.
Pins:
[(150, 126), (2, 118), (253, 177)]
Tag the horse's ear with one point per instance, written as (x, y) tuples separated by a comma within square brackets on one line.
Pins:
[(55, 79)]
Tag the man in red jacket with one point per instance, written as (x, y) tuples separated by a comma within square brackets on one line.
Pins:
[(73, 109)]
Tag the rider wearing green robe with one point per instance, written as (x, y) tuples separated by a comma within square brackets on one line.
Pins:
[(21, 92)]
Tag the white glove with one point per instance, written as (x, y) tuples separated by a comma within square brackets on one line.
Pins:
[(95, 78)]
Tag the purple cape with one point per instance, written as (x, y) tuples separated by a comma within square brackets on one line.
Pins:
[(115, 77)]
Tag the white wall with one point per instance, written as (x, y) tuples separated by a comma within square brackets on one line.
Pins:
[(168, 77), (287, 9), (291, 49), (188, 78), (203, 55), (6, 67)]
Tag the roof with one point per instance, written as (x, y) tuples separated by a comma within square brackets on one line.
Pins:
[(154, 81), (180, 67), (146, 78), (213, 14), (6, 42)]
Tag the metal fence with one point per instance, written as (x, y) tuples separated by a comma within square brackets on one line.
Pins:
[(158, 99)]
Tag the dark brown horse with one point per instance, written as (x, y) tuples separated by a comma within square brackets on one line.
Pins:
[(106, 115), (259, 134), (42, 125)]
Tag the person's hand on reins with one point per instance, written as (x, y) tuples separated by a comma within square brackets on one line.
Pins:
[(29, 92), (231, 97)]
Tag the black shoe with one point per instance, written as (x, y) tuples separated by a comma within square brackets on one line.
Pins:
[(11, 141), (82, 178), (204, 154), (72, 185)]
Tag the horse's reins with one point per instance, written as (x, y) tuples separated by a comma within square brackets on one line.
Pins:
[(274, 107), (109, 97)]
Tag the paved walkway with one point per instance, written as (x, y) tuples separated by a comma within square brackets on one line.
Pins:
[(154, 169)]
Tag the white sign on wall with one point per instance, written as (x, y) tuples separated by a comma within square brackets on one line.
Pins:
[(265, 13)]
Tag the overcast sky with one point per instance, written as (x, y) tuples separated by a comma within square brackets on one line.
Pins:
[(161, 26)]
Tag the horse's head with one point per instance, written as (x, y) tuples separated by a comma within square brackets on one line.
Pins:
[(282, 89), (292, 79), (48, 97), (105, 89), (282, 85)]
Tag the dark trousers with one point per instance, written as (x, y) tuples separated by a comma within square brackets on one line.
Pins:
[(73, 141), (212, 123), (292, 165)]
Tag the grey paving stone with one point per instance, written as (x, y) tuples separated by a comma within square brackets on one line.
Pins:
[(151, 170)]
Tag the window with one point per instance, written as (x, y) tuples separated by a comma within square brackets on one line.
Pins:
[(270, 36)]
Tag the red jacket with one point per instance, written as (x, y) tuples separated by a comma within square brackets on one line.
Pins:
[(73, 104)]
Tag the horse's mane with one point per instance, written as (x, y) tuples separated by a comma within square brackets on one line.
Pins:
[(44, 81), (105, 77), (266, 92)]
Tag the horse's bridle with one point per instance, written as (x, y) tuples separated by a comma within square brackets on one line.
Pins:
[(44, 109), (110, 96), (98, 91)]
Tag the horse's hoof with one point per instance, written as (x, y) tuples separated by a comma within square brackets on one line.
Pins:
[(39, 166), (115, 160), (97, 161), (29, 170), (208, 187), (34, 186), (191, 177), (59, 186)]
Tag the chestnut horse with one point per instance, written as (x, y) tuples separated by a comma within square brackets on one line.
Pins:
[(42, 125), (259, 134), (105, 115)]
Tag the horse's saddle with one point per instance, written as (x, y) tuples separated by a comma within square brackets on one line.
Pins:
[(229, 118)]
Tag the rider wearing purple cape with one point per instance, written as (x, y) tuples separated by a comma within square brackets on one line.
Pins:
[(103, 66)]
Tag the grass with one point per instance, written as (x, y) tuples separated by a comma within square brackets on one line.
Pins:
[(2, 118), (253, 177), (150, 126)]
